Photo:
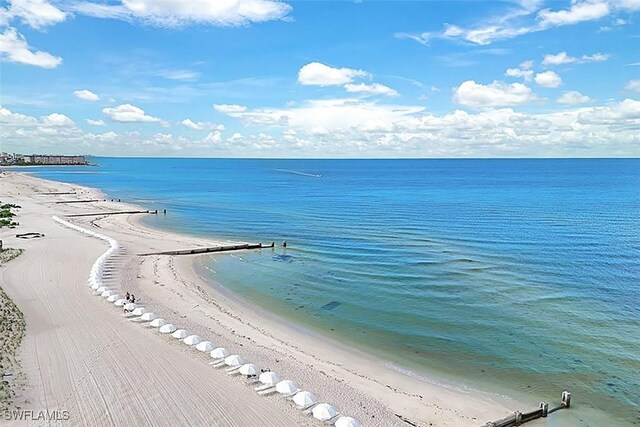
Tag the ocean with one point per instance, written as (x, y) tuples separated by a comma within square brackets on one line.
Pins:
[(503, 275)]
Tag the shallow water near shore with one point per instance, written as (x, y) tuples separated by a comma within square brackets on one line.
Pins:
[(519, 275)]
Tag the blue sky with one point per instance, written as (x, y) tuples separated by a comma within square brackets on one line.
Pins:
[(260, 78)]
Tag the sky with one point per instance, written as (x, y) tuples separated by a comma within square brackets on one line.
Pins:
[(321, 79)]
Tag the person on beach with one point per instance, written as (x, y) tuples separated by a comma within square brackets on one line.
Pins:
[(127, 296), (133, 298)]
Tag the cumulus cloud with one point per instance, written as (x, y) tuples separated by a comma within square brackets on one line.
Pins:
[(496, 94), (35, 13), (370, 89), (523, 71), (229, 109), (127, 113), (190, 124), (580, 11), (318, 74), (549, 79), (95, 122), (573, 97), (174, 13), (57, 119), (633, 85), (563, 58), (356, 127), (86, 95), (14, 48)]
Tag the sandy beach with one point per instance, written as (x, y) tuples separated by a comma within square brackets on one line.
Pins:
[(82, 357)]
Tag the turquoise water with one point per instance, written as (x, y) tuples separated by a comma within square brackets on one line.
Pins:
[(520, 274)]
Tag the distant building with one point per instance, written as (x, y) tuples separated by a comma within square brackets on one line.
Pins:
[(38, 159)]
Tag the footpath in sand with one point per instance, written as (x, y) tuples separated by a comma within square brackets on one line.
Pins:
[(88, 365)]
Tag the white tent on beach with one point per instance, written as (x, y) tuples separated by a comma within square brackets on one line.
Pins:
[(324, 412), (156, 323), (192, 340), (205, 346), (168, 328), (347, 422), (287, 387), (233, 360), (101, 289), (269, 378), (304, 398), (249, 369), (106, 294), (147, 317), (120, 303), (139, 311), (113, 298), (180, 334), (219, 353), (130, 307)]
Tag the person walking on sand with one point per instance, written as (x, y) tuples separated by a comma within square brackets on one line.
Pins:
[(133, 298), (127, 296)]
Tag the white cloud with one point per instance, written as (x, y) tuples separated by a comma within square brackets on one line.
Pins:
[(190, 124), (57, 119), (548, 79), (95, 122), (525, 18), (358, 128), (573, 97), (180, 13), (14, 48), (370, 89), (496, 94), (86, 95), (186, 75), (523, 71), (633, 85), (563, 58), (317, 74), (580, 11), (229, 109), (127, 113), (558, 59), (35, 13)]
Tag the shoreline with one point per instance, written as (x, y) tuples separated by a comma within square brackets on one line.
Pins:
[(395, 391)]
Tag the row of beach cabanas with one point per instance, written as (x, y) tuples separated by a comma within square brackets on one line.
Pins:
[(265, 382)]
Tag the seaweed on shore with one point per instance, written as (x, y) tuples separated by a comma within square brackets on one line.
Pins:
[(12, 330)]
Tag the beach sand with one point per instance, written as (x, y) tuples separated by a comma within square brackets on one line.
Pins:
[(81, 355)]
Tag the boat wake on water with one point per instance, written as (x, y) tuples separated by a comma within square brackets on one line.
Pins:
[(300, 173)]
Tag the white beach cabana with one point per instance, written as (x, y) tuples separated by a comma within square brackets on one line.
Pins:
[(139, 311), (158, 322), (130, 307), (180, 334), (347, 422), (168, 328), (101, 289), (205, 346), (120, 303), (233, 361), (269, 378), (106, 294), (147, 317), (287, 387), (304, 398), (324, 412), (192, 340), (113, 298), (249, 369), (219, 353)]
